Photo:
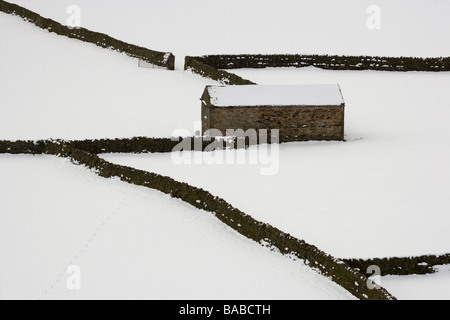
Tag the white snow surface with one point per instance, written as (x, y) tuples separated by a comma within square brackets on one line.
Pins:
[(276, 95), (408, 27), (55, 87), (129, 242), (420, 287), (383, 192)]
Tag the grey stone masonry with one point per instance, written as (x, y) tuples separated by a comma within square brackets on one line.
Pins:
[(294, 122)]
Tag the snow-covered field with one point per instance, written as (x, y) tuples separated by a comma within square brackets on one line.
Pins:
[(129, 242), (408, 27), (414, 287), (57, 87), (383, 192), (388, 185)]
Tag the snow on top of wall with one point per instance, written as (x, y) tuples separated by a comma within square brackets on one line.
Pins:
[(276, 95)]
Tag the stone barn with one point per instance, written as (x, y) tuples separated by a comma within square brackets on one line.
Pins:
[(300, 112)]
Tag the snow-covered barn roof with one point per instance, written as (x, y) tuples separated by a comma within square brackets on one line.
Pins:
[(275, 95)]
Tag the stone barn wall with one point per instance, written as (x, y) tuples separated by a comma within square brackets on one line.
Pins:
[(296, 123)]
